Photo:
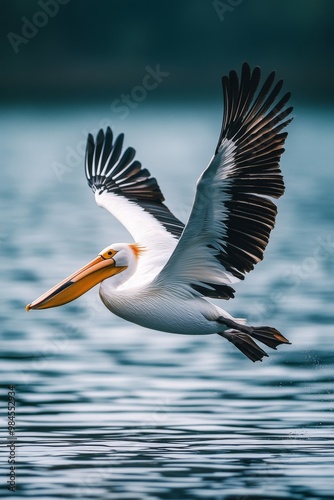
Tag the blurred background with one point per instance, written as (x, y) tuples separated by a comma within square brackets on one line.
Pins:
[(74, 49), (106, 409)]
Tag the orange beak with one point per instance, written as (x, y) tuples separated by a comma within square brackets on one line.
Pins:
[(77, 284)]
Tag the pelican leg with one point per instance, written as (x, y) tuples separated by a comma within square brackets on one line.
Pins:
[(245, 344), (240, 336)]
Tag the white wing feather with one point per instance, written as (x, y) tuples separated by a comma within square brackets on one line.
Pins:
[(130, 194)]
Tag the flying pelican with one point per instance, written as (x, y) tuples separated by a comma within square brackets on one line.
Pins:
[(163, 279)]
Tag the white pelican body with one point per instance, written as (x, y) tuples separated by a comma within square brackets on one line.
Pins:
[(164, 279), (174, 312)]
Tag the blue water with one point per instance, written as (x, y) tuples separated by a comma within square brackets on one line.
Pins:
[(106, 409)]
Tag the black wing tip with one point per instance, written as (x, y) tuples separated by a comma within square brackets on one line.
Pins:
[(248, 72), (104, 158), (249, 83), (109, 168), (256, 72), (250, 105)]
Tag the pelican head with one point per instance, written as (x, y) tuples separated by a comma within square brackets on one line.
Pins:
[(111, 261)]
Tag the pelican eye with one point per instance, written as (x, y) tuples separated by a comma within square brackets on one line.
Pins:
[(108, 254)]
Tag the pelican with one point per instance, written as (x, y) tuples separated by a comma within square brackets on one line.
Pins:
[(164, 278)]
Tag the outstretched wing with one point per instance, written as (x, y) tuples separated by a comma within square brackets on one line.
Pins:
[(128, 192), (232, 215)]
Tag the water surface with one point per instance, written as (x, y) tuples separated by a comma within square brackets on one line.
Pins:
[(107, 409)]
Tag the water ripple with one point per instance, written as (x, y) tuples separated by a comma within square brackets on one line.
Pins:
[(108, 410)]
